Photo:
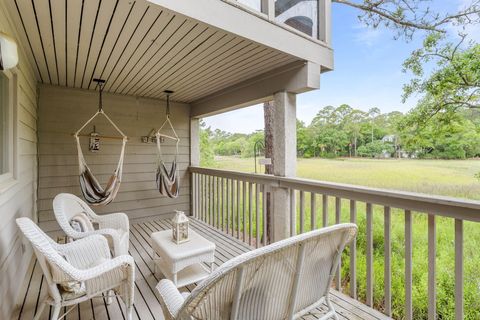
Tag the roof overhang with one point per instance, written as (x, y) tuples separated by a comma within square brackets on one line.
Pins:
[(199, 49), (235, 18)]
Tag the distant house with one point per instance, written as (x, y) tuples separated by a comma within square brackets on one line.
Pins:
[(389, 138)]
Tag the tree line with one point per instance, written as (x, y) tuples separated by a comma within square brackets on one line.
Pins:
[(344, 131)]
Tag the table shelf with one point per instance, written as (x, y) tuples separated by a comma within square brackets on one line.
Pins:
[(189, 275)]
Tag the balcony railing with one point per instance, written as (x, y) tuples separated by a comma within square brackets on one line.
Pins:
[(309, 17), (235, 203)]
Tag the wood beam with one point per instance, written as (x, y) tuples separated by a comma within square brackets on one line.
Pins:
[(296, 77)]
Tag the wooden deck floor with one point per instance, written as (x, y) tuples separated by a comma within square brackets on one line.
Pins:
[(146, 301)]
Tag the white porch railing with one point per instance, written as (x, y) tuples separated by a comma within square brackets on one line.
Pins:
[(234, 202)]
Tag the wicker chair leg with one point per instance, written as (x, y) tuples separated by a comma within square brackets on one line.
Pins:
[(110, 295), (130, 313), (55, 312), (331, 310), (40, 310)]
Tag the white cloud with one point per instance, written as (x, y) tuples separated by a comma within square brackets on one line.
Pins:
[(367, 36), (245, 120)]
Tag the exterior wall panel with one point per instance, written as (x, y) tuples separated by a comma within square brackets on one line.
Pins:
[(64, 110), (18, 196)]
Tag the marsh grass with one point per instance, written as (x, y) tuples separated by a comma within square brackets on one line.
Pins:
[(438, 177)]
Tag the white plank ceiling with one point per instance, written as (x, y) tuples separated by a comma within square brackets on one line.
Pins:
[(138, 48)]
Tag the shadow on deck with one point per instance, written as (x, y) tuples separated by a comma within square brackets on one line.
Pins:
[(147, 305)]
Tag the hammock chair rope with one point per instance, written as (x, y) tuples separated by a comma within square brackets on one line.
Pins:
[(167, 179), (91, 189)]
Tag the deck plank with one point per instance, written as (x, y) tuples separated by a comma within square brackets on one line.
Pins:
[(147, 305)]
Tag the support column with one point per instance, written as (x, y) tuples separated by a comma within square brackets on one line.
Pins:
[(194, 162), (285, 157), (194, 142)]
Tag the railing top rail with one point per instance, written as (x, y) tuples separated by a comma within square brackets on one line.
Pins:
[(432, 204)]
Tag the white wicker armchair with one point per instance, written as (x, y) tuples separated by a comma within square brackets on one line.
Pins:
[(86, 263), (114, 226), (284, 280)]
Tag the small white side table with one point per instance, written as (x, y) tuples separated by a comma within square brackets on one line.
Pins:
[(182, 263)]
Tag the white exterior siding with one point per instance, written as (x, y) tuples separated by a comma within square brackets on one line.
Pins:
[(18, 196)]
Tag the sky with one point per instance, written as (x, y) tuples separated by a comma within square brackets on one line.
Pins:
[(367, 73)]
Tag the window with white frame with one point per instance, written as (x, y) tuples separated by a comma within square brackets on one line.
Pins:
[(7, 130)]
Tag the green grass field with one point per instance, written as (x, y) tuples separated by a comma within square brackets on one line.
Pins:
[(443, 177), (450, 178)]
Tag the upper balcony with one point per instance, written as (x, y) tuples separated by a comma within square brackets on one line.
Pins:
[(300, 28)]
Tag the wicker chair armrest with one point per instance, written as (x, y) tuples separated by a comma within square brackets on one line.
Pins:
[(170, 298), (124, 261), (107, 232), (117, 220)]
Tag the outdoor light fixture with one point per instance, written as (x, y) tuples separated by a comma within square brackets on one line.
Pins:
[(8, 52)]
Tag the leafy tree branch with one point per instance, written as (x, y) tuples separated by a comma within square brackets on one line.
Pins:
[(408, 16)]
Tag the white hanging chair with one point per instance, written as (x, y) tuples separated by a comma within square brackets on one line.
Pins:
[(168, 183)]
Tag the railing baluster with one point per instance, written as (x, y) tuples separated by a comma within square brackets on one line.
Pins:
[(432, 254), (458, 269), (238, 209), (257, 215), (204, 193), (244, 209), (293, 212), (387, 272), (302, 211), (408, 265), (209, 180), (353, 253), (325, 210), (217, 218), (211, 201), (369, 254), (264, 213), (193, 196), (197, 202), (250, 209), (232, 219), (215, 201), (204, 199), (227, 206), (222, 203), (338, 212), (313, 211), (197, 205)]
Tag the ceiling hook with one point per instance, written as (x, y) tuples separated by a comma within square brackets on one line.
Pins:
[(100, 84), (168, 93)]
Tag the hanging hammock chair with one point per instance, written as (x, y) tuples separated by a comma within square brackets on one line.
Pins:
[(167, 179), (91, 189)]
